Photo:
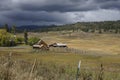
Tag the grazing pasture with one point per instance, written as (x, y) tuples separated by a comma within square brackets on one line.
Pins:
[(61, 63)]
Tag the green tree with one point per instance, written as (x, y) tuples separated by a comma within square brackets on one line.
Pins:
[(25, 36), (13, 29), (6, 27), (19, 40)]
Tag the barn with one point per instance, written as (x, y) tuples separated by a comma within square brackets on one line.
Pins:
[(41, 45)]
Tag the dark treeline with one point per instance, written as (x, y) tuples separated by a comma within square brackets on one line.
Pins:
[(100, 27)]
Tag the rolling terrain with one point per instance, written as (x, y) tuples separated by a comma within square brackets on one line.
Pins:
[(92, 49)]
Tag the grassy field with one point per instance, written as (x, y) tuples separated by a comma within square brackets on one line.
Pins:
[(103, 43), (103, 47), (96, 49), (66, 61)]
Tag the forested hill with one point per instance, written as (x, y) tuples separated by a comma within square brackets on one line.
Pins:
[(106, 26), (111, 26)]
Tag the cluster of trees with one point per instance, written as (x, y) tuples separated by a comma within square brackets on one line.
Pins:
[(9, 29), (8, 37)]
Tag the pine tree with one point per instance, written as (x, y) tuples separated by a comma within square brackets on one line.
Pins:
[(25, 36), (6, 27), (13, 29)]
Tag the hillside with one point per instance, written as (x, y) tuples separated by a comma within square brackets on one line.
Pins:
[(106, 26)]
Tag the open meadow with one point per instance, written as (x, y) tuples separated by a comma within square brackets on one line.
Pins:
[(59, 39), (61, 64)]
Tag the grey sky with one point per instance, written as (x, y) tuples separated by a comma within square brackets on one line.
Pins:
[(22, 12)]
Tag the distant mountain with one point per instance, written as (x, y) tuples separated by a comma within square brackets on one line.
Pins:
[(34, 27), (29, 27)]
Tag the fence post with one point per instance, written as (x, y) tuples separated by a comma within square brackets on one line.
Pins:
[(78, 70), (33, 67)]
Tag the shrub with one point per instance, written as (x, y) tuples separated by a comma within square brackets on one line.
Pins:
[(33, 40), (19, 40)]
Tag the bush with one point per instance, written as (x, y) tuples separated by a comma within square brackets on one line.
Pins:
[(33, 40), (6, 39), (19, 40)]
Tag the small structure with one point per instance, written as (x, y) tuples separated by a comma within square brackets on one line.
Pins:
[(57, 45), (41, 45)]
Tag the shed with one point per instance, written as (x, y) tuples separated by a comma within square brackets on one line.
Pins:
[(57, 45)]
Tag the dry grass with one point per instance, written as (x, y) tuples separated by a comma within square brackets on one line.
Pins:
[(110, 61), (106, 43), (17, 67)]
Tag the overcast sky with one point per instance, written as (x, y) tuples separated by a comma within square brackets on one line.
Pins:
[(41, 12)]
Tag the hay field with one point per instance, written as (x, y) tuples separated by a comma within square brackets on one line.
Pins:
[(102, 43)]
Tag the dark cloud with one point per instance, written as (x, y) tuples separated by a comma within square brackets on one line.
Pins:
[(60, 6), (35, 16), (57, 11), (111, 5), (70, 5), (41, 16)]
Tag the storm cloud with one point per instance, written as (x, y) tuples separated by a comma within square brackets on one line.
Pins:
[(41, 12)]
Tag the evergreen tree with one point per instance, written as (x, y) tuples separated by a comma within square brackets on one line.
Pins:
[(13, 29), (25, 36), (6, 27)]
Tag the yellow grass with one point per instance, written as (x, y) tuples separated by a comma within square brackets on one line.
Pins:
[(102, 43), (106, 43), (71, 59)]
